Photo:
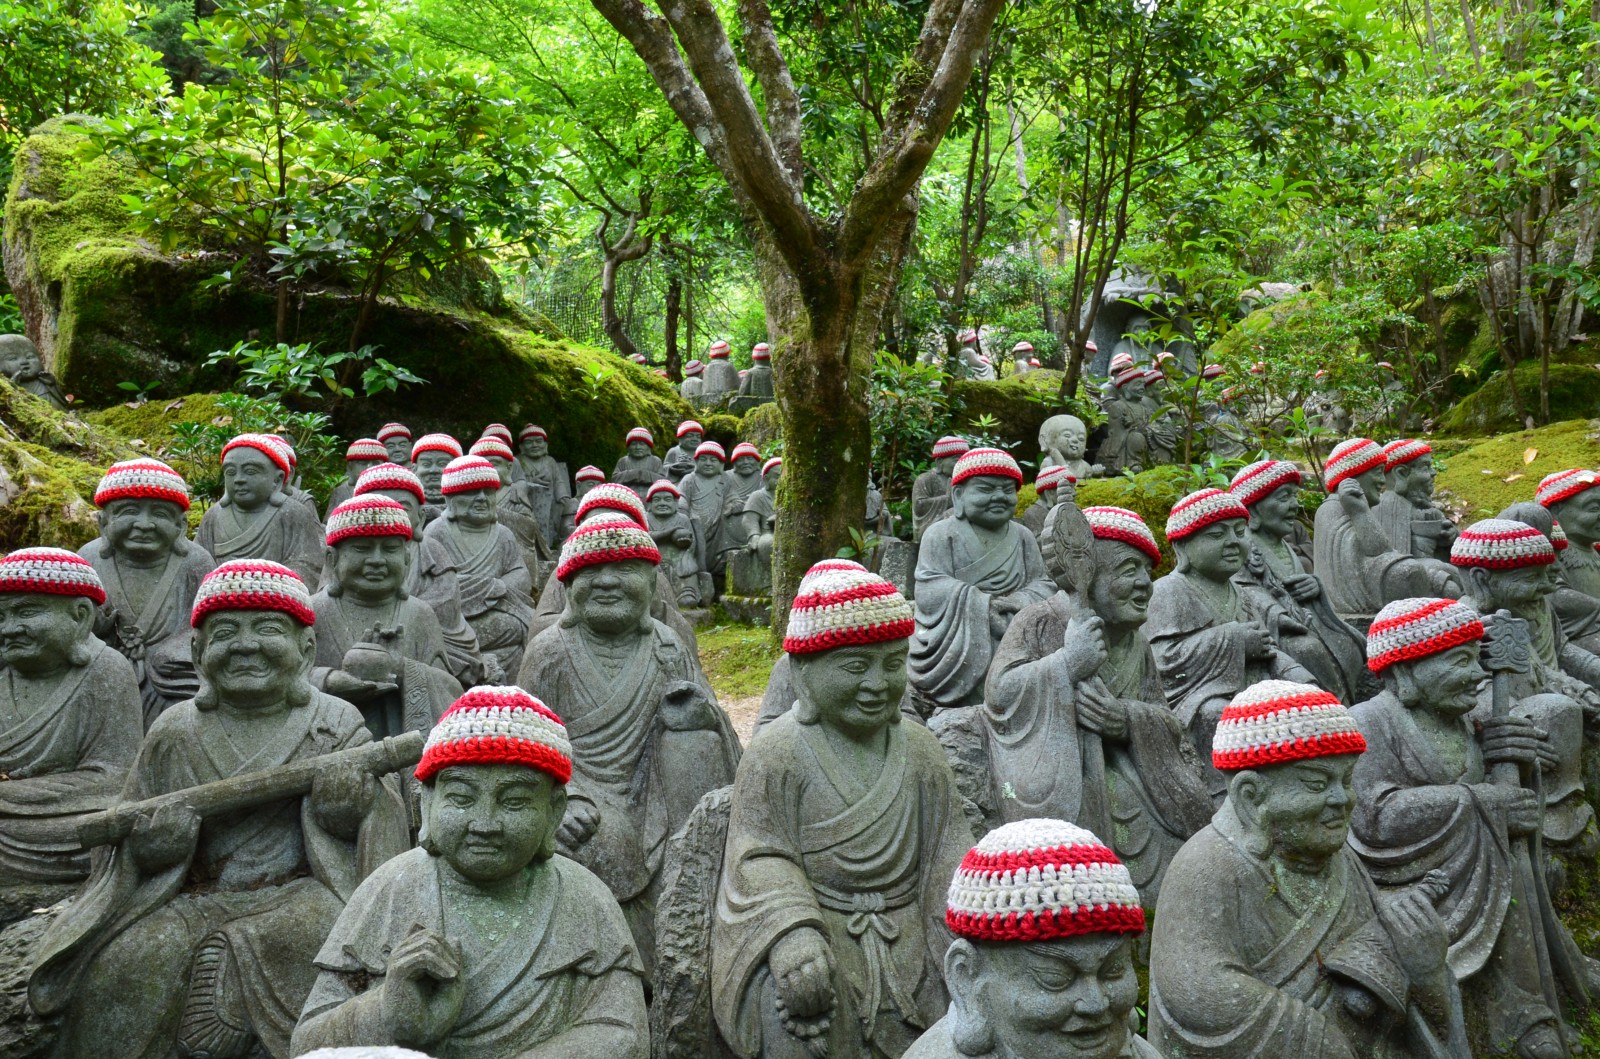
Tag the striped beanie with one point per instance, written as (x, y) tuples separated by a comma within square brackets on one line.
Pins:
[(1035, 880), (1164, 356), (253, 584), (839, 606), (497, 430), (1120, 524), (389, 476), (743, 372), (1127, 375), (533, 431), (711, 448), (1558, 538), (1154, 375), (1350, 458), (1023, 347), (487, 447), (1263, 478), (690, 426), (977, 463), (1501, 544), (1120, 362), (1404, 451), (1213, 371), (51, 572), (368, 516), (1051, 478), (270, 447), (467, 473), (760, 352), (589, 473), (744, 448), (1090, 347), (287, 449), (1411, 629), (611, 497), (771, 465), (1277, 721), (640, 434), (718, 350), (606, 540), (366, 449), (662, 485), (393, 430), (142, 479), (1198, 510), (1564, 485), (1259, 367), (950, 445), (694, 367), (967, 337), (491, 725), (436, 443), (639, 358)]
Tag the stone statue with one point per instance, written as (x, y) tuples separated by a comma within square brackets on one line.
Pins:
[(586, 479), (429, 457), (752, 567), (1164, 436), (1571, 498), (1127, 422), (974, 365), (1063, 440), (1270, 939), (518, 507), (828, 935), (548, 485), (1046, 488), (396, 441), (721, 380), (151, 573), (930, 493), (1405, 510), (877, 518), (484, 941), (1207, 623), (743, 479), (254, 519), (648, 736), (1022, 358), (679, 460), (678, 540), (639, 468), (203, 920), (693, 386), (19, 362), (975, 571), (755, 388), (363, 454), (1226, 435), (69, 723), (705, 493), (291, 486), (1042, 967)]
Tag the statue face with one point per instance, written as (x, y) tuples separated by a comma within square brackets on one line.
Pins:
[(770, 480), (429, 468), (707, 466), (1372, 483), (249, 478), (1580, 516), (408, 500), (613, 598), (639, 450), (1064, 999), (1302, 807), (503, 466), (855, 689), (583, 487), (745, 466), (691, 441), (251, 657), (1512, 589), (489, 822), (353, 468), (1414, 480), (18, 356), (1131, 390), (142, 529), (534, 447), (1447, 683), (1274, 514), (988, 501), (1120, 591), (38, 630), (399, 450), (946, 465), (1216, 552), (1048, 498), (475, 508), (1072, 438), (663, 505), (372, 568)]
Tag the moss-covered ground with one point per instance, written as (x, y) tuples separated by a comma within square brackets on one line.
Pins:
[(737, 659), (1483, 478), (1574, 394)]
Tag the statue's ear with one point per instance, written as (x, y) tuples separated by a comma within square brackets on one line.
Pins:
[(969, 1029), (558, 811), (100, 520)]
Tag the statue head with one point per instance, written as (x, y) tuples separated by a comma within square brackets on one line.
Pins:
[(396, 441), (1042, 962), (609, 567), (1064, 434), (1270, 489), (1571, 497), (639, 442), (429, 457), (362, 455), (1047, 487), (745, 460), (253, 644), (662, 499), (947, 451), (498, 452), (848, 637), (142, 506), (255, 470), (1129, 383), (48, 598), (393, 482), (608, 498), (470, 485), (1206, 531), (586, 479), (1505, 564), (1427, 653), (1360, 459), (1289, 751), (494, 778), (772, 474), (19, 357), (709, 459), (1125, 552), (1409, 472), (690, 435), (983, 488), (534, 443), (368, 549)]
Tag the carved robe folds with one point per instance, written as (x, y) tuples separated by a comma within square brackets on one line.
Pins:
[(285, 531)]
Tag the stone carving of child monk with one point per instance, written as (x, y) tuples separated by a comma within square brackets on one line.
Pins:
[(678, 542), (19, 362), (69, 721), (151, 572), (291, 487), (752, 567), (755, 387), (484, 943), (1045, 919), (547, 481), (679, 460), (1270, 940), (1405, 510), (639, 468), (255, 519), (1047, 489), (743, 478), (1574, 502), (975, 571), (492, 577), (845, 829), (1127, 423), (692, 389), (1063, 440), (396, 440), (361, 455), (518, 506), (721, 380), (429, 457), (705, 493), (195, 937), (930, 493)]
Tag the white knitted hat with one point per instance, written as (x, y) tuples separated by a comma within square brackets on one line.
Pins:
[(367, 516), (494, 446), (772, 464), (711, 448), (950, 445), (1261, 479), (366, 449), (662, 485), (837, 606), (497, 430), (1404, 451), (394, 430), (1277, 721), (589, 473), (389, 476), (466, 473), (1050, 478), (690, 426), (270, 447), (744, 448), (1198, 510), (1119, 524), (51, 572), (1501, 544), (253, 584), (491, 725), (640, 434), (976, 463), (143, 479), (1564, 485), (613, 497), (1120, 362), (533, 431), (1410, 629), (436, 443), (605, 540), (1127, 375), (718, 349), (1350, 458)]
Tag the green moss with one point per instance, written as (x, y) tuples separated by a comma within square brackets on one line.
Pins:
[(724, 429), (1018, 406), (1574, 393), (1289, 315), (153, 421), (761, 427), (1026, 497), (1473, 482), (737, 659)]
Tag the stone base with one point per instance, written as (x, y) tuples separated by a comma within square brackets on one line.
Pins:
[(681, 1026), (897, 564), (748, 610), (23, 1035), (699, 617)]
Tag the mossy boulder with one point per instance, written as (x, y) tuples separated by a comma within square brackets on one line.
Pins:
[(1489, 476), (761, 427), (1017, 407), (1574, 393), (1149, 494)]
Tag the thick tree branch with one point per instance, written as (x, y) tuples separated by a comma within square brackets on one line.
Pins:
[(777, 86)]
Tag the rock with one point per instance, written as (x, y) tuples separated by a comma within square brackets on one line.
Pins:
[(1018, 405), (1574, 393), (23, 1035), (960, 732), (364, 1053), (897, 564)]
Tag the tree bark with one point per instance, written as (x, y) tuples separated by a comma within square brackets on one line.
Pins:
[(630, 247), (674, 309)]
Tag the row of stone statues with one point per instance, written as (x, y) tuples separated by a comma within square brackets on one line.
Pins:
[(715, 383)]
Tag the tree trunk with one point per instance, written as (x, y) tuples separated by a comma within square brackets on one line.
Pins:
[(628, 248), (674, 309)]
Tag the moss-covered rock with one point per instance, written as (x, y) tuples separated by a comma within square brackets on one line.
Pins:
[(1150, 494), (761, 427), (1486, 477), (1574, 393), (1017, 406)]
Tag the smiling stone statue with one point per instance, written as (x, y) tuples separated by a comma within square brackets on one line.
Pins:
[(255, 519)]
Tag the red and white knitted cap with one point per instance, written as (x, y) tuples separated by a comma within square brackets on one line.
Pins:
[(1164, 356), (1350, 458), (1119, 524), (1090, 347), (1198, 510), (640, 434), (976, 463), (1022, 347), (497, 430), (1154, 375), (287, 449), (760, 352), (533, 430), (270, 447), (1404, 451), (967, 337), (949, 445), (393, 430), (51, 572), (1385, 365), (690, 426), (1558, 537), (142, 479), (1034, 362), (1213, 371), (610, 496), (718, 350), (589, 473), (639, 358), (1051, 478), (694, 367), (253, 584), (1564, 485), (1127, 375), (368, 516), (466, 473), (1263, 478), (744, 448), (363, 449), (662, 485), (436, 443), (1120, 362), (1035, 880), (605, 540), (487, 447), (389, 476), (839, 606), (1277, 721), (1501, 544), (1411, 629), (711, 448), (491, 725), (771, 465), (1259, 367)]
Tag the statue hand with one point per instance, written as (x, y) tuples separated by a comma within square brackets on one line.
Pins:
[(493, 671), (354, 689), (422, 989), (1257, 642), (579, 825), (163, 838), (1418, 933), (803, 969), (1521, 809), (1100, 711), (1511, 739), (685, 708), (1083, 647), (1303, 588), (340, 798), (1351, 497)]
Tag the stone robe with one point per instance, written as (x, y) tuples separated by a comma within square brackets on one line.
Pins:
[(721, 380), (638, 475), (1333, 651), (285, 531), (1577, 595), (706, 500), (678, 464), (493, 582), (1396, 516), (340, 493), (958, 574), (1124, 446), (939, 1043), (426, 686), (755, 389), (158, 634), (865, 861), (549, 487), (523, 511), (1034, 517), (735, 531), (569, 981), (267, 879), (678, 540), (930, 502), (1361, 571), (441, 591), (64, 759), (692, 389), (752, 567), (553, 603)]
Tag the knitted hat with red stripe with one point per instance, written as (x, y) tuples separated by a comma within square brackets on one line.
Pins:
[(1564, 485), (1033, 362), (1558, 538), (1120, 362), (761, 352), (690, 426), (967, 337), (1127, 375), (743, 372), (253, 584), (393, 430), (142, 479), (694, 367), (976, 463), (744, 448), (589, 473), (1349, 459), (1261, 479), (467, 473), (268, 446), (1051, 478), (498, 430), (51, 572), (771, 465), (610, 496), (1090, 347), (498, 726), (1120, 524), (640, 434), (487, 447), (1164, 356), (949, 445), (718, 350), (1213, 371), (1154, 375), (639, 358), (1022, 347), (1035, 880), (1277, 721), (605, 540), (1258, 368), (287, 449), (365, 449), (1198, 510), (532, 430), (838, 606), (711, 448), (662, 485), (387, 477), (1501, 544), (1404, 451), (1411, 629), (436, 443), (368, 516)]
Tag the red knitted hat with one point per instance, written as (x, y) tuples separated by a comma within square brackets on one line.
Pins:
[(1411, 629), (532, 431), (611, 497), (640, 434), (1261, 479), (287, 449), (1090, 347), (744, 448), (51, 572), (1023, 347), (605, 540), (1558, 537), (967, 337), (839, 606), (770, 465), (366, 449), (1120, 362), (1349, 459), (467, 473), (711, 448), (436, 443), (270, 447), (976, 463), (497, 430), (1165, 355), (1127, 375), (760, 352), (1404, 451), (690, 426), (390, 476), (718, 350), (1198, 510), (694, 367), (589, 473), (639, 358), (1035, 880), (1213, 371), (393, 430), (1564, 485), (1501, 544), (367, 516), (662, 485), (487, 447), (1051, 478), (1277, 721), (950, 445), (497, 726), (142, 479), (253, 584), (1120, 524)]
